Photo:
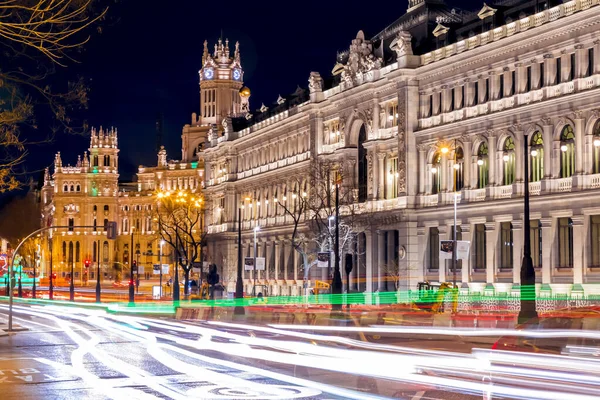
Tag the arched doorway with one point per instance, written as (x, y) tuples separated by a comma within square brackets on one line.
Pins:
[(362, 166)]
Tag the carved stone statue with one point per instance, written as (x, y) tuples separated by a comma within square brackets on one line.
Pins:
[(360, 59), (402, 44), (315, 82)]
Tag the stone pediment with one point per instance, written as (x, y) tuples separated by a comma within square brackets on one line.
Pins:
[(440, 30), (486, 11)]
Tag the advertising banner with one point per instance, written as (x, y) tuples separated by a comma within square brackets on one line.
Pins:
[(323, 260)]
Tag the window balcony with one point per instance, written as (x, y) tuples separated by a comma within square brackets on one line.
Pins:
[(562, 185), (535, 188)]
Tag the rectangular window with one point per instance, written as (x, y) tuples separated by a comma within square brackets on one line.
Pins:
[(573, 67), (590, 69), (595, 241), (452, 99), (528, 83), (558, 78), (535, 239), (501, 91), (506, 245), (542, 81), (479, 247), (434, 249), (439, 108), (476, 96), (513, 87), (565, 243), (71, 224), (462, 97)]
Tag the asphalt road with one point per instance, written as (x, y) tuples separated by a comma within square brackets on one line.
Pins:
[(88, 354)]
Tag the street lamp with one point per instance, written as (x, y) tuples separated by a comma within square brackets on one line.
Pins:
[(256, 229), (528, 310), (336, 284), (98, 299), (162, 242), (131, 287)]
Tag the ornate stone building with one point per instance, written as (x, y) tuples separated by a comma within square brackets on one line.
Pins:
[(82, 199), (440, 100)]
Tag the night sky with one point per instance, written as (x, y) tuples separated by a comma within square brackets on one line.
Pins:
[(146, 62)]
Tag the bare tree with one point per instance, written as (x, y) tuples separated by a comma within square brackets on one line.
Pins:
[(180, 218), (37, 36)]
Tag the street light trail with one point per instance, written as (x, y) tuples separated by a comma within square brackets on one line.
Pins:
[(208, 352)]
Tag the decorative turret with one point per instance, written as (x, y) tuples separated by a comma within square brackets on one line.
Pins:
[(86, 160), (162, 157), (47, 179), (104, 139), (57, 162)]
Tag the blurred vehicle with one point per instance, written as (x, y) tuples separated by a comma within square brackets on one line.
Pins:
[(431, 296), (587, 319)]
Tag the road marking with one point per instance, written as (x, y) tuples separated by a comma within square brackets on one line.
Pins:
[(418, 395)]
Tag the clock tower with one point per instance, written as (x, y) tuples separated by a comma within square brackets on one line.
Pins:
[(221, 78)]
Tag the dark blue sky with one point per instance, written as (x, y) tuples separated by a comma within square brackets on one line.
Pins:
[(147, 58)]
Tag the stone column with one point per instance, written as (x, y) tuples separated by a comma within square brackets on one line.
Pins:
[(466, 146), (491, 238), (380, 259), (444, 173), (422, 168), (381, 175), (286, 260), (578, 248), (374, 176), (492, 158), (371, 258), (518, 238), (548, 249), (277, 250), (376, 117), (548, 150)]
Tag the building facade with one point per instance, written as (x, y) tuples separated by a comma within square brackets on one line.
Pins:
[(439, 103), (80, 200)]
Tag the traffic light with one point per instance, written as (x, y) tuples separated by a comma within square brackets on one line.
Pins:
[(134, 265), (87, 263), (54, 276)]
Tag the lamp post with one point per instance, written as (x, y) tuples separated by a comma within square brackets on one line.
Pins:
[(51, 286), (239, 284), (137, 264), (162, 242), (528, 311), (256, 229), (177, 260), (72, 283), (98, 299), (131, 287), (336, 284)]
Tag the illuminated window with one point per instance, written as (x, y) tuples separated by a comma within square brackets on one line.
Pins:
[(482, 166), (509, 161), (459, 174), (596, 148), (536, 157), (436, 173), (392, 178), (567, 150)]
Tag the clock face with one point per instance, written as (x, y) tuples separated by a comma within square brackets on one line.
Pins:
[(237, 74), (209, 73)]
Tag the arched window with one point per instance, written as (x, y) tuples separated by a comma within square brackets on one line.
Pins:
[(459, 174), (65, 188), (508, 157), (436, 173), (78, 188), (72, 188), (567, 150), (95, 252), (64, 252), (105, 208), (482, 166), (77, 251), (537, 157), (71, 224), (596, 150), (105, 226), (105, 252), (70, 252)]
